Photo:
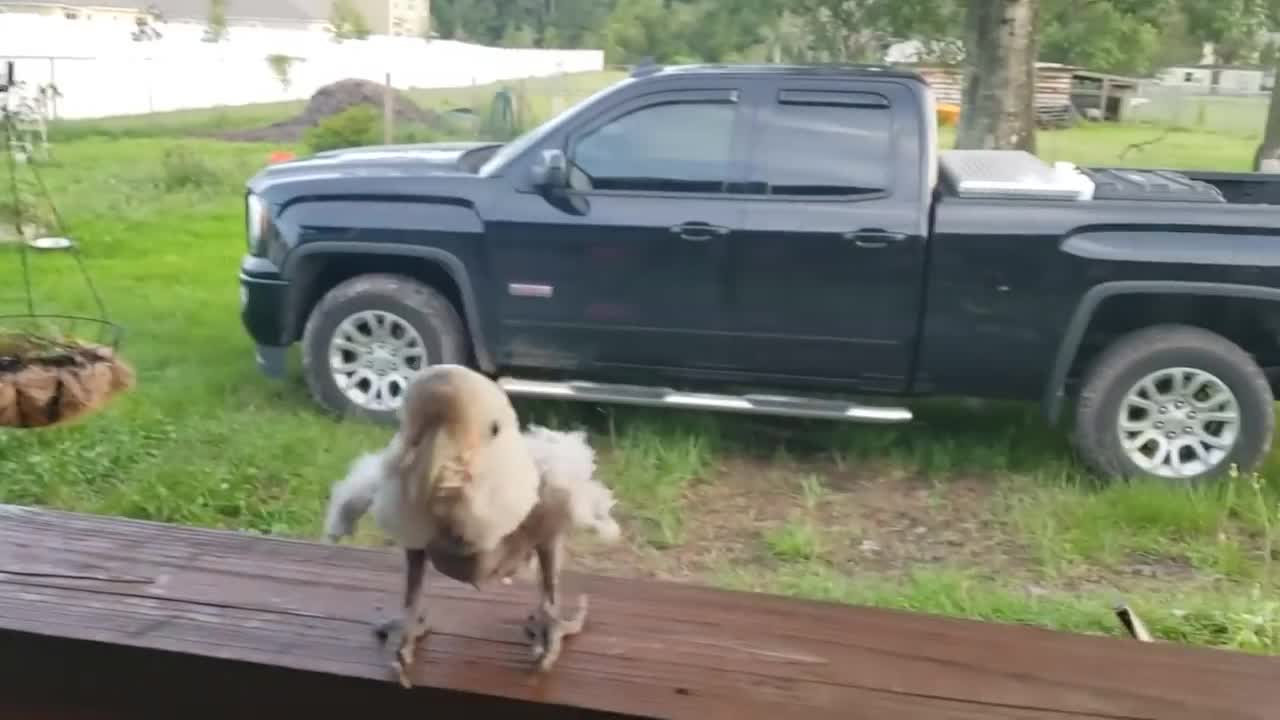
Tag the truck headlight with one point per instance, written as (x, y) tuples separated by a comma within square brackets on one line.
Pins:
[(257, 221)]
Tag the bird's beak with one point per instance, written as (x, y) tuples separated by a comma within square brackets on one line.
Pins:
[(468, 455)]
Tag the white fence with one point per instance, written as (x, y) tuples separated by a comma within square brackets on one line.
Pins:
[(101, 72)]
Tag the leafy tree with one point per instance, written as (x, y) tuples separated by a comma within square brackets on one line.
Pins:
[(280, 65), (647, 28), (842, 30), (1122, 36), (1234, 27), (718, 31), (575, 23), (1269, 56), (346, 22), (518, 36), (486, 21), (1115, 36), (215, 29), (446, 19), (1177, 45), (862, 30)]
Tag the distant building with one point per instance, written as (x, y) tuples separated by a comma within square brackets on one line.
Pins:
[(1229, 78), (385, 17), (398, 17)]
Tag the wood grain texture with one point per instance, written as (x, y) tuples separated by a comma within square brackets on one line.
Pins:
[(649, 650)]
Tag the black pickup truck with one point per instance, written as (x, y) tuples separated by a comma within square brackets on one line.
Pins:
[(781, 240)]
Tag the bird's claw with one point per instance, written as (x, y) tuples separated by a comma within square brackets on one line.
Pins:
[(406, 649), (404, 665), (546, 630), (387, 628)]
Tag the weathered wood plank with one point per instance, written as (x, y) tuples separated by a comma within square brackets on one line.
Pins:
[(59, 679), (651, 649)]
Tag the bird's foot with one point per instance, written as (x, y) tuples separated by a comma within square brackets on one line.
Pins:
[(387, 628), (403, 664), (546, 631), (406, 649)]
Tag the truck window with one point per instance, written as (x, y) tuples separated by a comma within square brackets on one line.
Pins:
[(671, 147), (816, 143)]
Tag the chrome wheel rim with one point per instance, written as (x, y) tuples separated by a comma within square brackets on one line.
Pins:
[(372, 356), (1179, 422)]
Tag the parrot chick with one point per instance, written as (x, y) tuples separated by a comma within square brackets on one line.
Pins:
[(459, 485)]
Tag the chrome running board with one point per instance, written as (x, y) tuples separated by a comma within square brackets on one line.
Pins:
[(779, 405)]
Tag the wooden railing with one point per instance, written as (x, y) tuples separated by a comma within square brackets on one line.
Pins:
[(110, 618)]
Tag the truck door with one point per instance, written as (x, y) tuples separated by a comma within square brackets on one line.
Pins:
[(825, 275), (624, 270)]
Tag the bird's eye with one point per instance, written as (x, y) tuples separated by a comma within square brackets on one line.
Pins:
[(493, 429)]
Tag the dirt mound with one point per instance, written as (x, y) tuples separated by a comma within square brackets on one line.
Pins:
[(331, 100)]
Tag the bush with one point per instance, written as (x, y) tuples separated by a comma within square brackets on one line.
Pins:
[(353, 127), (182, 168), (410, 134)]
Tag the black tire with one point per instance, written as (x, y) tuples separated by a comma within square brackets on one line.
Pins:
[(1127, 360), (425, 309)]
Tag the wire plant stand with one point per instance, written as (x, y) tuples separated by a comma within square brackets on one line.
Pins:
[(49, 373)]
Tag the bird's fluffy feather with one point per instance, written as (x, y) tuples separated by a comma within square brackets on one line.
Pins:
[(566, 460), (563, 459), (371, 484)]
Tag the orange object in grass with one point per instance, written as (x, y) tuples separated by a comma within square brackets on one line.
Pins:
[(948, 114), (279, 156)]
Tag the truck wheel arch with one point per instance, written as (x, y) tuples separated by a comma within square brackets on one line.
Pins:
[(1083, 315), (446, 261)]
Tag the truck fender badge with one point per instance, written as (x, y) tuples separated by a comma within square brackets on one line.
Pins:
[(529, 290)]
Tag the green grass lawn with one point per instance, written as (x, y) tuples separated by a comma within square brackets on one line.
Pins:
[(977, 512)]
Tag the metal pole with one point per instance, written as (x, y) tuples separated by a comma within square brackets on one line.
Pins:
[(388, 110), (53, 81)]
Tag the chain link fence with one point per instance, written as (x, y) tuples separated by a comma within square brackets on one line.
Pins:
[(1227, 111)]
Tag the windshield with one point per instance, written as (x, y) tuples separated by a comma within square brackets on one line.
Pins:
[(516, 147)]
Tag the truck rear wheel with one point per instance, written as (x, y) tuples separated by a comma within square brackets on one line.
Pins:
[(369, 335), (1174, 402)]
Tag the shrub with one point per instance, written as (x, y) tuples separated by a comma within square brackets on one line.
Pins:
[(353, 127), (410, 134), (182, 168)]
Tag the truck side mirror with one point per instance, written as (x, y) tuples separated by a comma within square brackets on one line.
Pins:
[(551, 171)]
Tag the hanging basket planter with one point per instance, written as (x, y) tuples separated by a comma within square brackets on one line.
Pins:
[(46, 382), (48, 376)]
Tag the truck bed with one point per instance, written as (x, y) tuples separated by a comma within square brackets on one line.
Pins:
[(1241, 187), (996, 174)]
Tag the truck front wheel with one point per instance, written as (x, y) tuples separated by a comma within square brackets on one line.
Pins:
[(369, 335), (1174, 402)]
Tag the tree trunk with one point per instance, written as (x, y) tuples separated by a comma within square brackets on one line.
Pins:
[(998, 102), (1267, 158)]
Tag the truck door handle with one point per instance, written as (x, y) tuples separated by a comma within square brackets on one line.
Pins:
[(874, 238), (698, 231)]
